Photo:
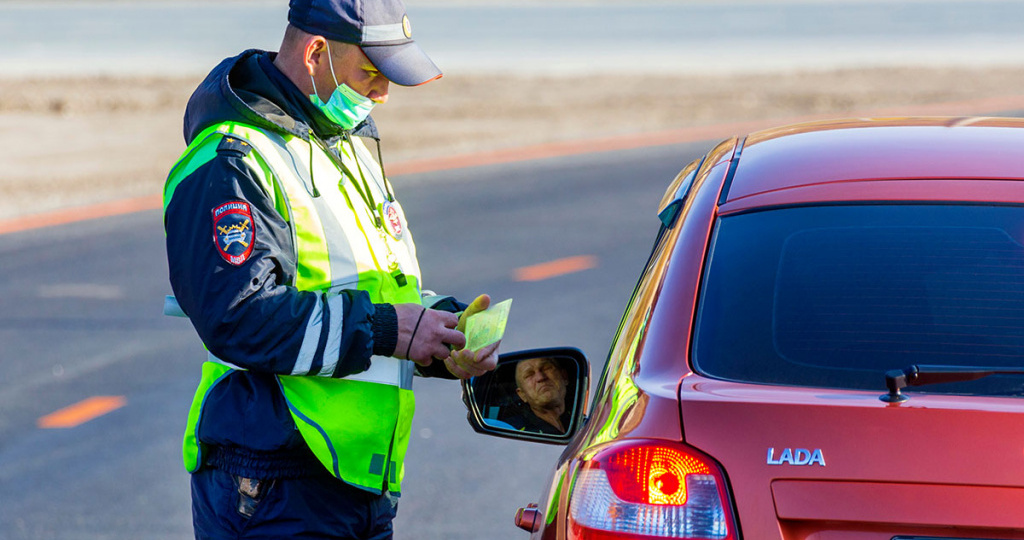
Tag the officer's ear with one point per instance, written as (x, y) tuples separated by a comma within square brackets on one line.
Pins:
[(314, 55)]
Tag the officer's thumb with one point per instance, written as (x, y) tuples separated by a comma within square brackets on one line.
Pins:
[(480, 303)]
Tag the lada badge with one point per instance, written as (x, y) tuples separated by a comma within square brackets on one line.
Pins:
[(796, 456)]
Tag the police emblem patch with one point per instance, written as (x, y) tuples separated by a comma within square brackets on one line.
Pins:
[(393, 219), (233, 231)]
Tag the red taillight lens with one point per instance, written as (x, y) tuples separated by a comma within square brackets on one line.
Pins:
[(652, 474), (650, 488)]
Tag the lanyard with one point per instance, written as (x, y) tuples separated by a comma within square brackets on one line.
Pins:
[(365, 192)]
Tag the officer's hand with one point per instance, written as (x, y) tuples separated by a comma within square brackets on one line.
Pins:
[(481, 303), (424, 334), (465, 363)]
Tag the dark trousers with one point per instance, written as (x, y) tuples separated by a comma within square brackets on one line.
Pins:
[(320, 507)]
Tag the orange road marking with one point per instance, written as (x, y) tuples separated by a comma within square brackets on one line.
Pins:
[(81, 213), (558, 149), (82, 412), (555, 268)]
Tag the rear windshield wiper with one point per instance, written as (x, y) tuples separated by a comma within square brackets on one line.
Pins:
[(921, 375)]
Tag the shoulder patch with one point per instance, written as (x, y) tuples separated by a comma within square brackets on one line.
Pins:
[(229, 144), (234, 232)]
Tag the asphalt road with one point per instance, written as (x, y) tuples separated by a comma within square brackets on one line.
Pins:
[(80, 317)]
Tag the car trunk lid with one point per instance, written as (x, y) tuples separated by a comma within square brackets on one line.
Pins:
[(822, 462)]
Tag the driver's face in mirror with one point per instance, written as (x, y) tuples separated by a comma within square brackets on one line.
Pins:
[(541, 384)]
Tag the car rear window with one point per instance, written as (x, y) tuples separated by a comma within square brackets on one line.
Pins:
[(835, 296)]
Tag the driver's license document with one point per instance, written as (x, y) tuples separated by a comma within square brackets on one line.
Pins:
[(487, 326)]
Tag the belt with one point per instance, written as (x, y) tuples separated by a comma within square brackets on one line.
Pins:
[(274, 465)]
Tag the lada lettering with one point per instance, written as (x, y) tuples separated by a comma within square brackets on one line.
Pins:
[(796, 456)]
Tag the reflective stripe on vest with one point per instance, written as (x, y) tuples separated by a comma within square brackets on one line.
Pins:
[(357, 426)]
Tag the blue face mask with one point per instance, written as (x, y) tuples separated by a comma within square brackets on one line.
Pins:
[(345, 107)]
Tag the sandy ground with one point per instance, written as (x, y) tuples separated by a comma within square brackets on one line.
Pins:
[(73, 142)]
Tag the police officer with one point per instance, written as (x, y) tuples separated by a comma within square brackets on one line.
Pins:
[(292, 257)]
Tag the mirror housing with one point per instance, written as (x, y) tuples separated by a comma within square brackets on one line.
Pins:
[(517, 400)]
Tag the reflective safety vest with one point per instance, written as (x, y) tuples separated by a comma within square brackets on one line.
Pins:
[(357, 426)]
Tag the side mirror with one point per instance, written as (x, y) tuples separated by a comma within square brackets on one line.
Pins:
[(537, 395)]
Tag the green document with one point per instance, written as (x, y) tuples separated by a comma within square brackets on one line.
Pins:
[(487, 326)]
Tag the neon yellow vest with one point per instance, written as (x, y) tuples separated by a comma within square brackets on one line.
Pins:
[(357, 426)]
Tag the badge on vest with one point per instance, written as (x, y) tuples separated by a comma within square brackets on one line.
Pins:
[(234, 231), (391, 215)]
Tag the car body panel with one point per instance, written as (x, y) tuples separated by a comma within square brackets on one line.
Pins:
[(822, 154)]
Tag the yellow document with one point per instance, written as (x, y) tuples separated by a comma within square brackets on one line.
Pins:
[(487, 326)]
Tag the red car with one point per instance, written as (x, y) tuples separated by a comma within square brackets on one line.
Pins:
[(827, 343)]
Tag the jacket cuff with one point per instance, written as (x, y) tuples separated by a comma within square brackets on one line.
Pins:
[(385, 330), (443, 303), (436, 370)]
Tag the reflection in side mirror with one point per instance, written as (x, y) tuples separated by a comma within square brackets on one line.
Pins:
[(537, 395)]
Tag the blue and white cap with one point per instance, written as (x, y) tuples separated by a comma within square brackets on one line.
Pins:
[(380, 27)]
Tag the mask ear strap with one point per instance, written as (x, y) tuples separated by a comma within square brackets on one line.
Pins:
[(312, 80), (330, 62)]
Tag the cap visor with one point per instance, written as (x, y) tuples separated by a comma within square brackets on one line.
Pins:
[(405, 65)]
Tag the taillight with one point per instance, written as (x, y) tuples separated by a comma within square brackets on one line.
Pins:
[(650, 488)]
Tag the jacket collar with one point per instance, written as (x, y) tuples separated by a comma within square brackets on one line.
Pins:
[(250, 89)]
